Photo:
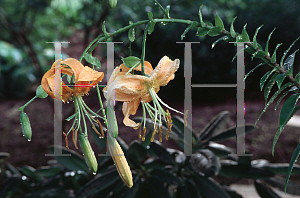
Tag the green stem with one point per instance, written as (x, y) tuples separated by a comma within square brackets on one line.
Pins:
[(78, 112), (83, 103), (95, 43), (23, 107), (144, 48), (83, 117)]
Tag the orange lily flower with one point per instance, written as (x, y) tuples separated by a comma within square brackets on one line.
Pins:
[(85, 78), (135, 89)]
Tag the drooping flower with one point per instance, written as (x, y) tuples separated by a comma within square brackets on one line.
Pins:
[(84, 77), (135, 89)]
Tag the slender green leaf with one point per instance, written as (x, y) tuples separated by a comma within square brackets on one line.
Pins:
[(47, 171), (292, 162), (241, 50), (245, 35), (287, 111), (286, 51), (215, 126), (73, 162), (273, 58), (232, 32), (30, 172), (279, 79), (208, 187), (230, 133), (93, 60), (265, 78), (106, 34), (281, 97), (99, 183), (288, 64), (219, 149), (253, 70), (297, 77), (215, 31), (267, 45), (273, 98), (200, 17), (191, 26), (233, 169), (160, 151), (255, 44), (219, 39), (258, 54), (282, 168), (179, 123), (269, 87), (219, 22), (264, 191), (202, 31), (131, 33)]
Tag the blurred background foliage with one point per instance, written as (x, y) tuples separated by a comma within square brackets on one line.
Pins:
[(26, 26)]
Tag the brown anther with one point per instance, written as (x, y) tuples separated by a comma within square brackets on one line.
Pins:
[(168, 132), (153, 133), (76, 139), (144, 133), (185, 117), (96, 131), (160, 133), (140, 133), (73, 138), (101, 129), (66, 138)]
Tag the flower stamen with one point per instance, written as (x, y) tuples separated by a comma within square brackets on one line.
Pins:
[(66, 138), (144, 133)]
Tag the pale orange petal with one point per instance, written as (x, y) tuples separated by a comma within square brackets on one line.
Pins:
[(129, 108), (128, 88), (164, 71)]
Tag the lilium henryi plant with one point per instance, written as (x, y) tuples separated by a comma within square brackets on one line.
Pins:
[(135, 89), (82, 79)]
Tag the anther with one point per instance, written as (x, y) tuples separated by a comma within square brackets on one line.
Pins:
[(160, 133), (140, 134), (168, 132), (93, 126), (101, 129), (66, 138), (144, 133)]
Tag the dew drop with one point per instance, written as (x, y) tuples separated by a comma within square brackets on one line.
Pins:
[(94, 173), (155, 3), (29, 140), (23, 135)]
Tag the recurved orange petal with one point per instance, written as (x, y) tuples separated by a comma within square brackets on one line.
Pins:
[(129, 108), (164, 71), (128, 88)]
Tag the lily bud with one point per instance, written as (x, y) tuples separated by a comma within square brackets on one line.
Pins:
[(26, 128), (89, 156)]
